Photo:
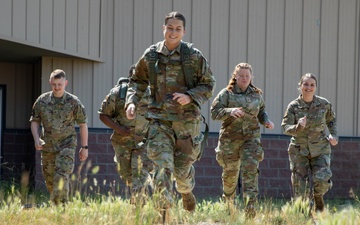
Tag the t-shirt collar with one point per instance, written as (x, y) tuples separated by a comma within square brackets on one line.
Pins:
[(163, 49)]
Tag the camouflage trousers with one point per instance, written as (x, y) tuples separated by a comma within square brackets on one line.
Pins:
[(240, 157), (133, 165), (56, 168), (173, 146), (305, 167)]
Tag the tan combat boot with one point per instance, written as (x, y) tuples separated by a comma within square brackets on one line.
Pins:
[(189, 201), (250, 212), (230, 199), (165, 217), (230, 202)]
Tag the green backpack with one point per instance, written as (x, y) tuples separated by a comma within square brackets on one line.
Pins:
[(188, 70)]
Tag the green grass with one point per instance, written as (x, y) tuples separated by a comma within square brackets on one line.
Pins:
[(101, 209)]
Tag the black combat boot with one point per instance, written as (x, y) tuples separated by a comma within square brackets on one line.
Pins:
[(319, 203)]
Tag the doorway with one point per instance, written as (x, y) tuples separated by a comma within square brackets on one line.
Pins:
[(2, 122)]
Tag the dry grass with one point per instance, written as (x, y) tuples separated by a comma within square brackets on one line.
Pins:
[(110, 209), (116, 210)]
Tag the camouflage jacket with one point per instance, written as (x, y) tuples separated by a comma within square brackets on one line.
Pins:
[(246, 127), (113, 106), (58, 118), (320, 115), (171, 79)]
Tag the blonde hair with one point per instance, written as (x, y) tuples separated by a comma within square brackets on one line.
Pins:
[(58, 74), (232, 81)]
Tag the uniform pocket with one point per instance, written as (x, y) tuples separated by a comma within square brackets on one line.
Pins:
[(304, 151), (219, 157), (65, 161), (152, 130), (259, 152), (198, 144), (198, 139)]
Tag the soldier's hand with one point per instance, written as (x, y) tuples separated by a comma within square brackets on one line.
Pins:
[(182, 99), (130, 112), (39, 145), (83, 154), (269, 125), (332, 140), (237, 112), (302, 121)]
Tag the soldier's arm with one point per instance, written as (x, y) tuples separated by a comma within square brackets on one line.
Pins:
[(139, 81), (83, 153), (36, 135), (205, 86), (263, 116), (113, 125), (331, 123), (289, 125), (219, 109)]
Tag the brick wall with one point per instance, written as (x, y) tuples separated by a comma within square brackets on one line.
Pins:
[(18, 159), (274, 179)]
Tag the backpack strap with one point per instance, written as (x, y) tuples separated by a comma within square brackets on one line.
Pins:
[(204, 141), (123, 90), (123, 84), (153, 58), (188, 70)]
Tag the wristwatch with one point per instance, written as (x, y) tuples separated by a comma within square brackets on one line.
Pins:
[(85, 147)]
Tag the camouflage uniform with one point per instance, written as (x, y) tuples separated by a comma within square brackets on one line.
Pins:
[(133, 164), (309, 147), (239, 147), (174, 135), (58, 118)]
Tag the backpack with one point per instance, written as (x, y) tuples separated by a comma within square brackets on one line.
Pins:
[(185, 61), (123, 84), (188, 72)]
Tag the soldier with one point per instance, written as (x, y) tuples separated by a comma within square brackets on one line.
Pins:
[(133, 164), (240, 107), (57, 111), (180, 82), (305, 120)]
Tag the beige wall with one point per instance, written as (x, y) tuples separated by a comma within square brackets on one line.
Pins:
[(282, 39), (19, 80), (70, 27)]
